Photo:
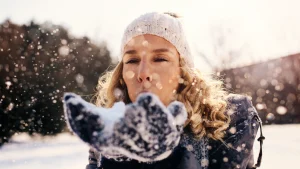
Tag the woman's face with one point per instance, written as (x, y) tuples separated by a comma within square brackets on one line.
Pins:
[(151, 64)]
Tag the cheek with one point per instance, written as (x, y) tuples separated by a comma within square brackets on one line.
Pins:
[(174, 81), (129, 76), (170, 83), (170, 80)]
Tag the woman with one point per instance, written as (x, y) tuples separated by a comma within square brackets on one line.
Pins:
[(219, 129)]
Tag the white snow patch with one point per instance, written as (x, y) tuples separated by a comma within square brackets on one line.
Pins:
[(281, 150)]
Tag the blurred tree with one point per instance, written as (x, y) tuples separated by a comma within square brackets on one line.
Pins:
[(227, 48), (274, 86), (37, 64)]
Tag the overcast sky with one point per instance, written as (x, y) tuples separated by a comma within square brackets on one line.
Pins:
[(254, 29)]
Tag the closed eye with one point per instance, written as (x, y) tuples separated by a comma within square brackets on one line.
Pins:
[(132, 61), (160, 59)]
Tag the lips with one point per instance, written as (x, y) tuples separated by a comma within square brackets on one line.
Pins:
[(144, 91)]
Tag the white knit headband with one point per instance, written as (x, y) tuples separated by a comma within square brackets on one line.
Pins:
[(162, 25)]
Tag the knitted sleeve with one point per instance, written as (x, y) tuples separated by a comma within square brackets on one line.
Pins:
[(237, 149), (145, 130)]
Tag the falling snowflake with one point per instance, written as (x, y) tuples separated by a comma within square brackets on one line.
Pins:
[(281, 110)]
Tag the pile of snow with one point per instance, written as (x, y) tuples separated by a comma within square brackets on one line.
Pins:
[(281, 147), (60, 152)]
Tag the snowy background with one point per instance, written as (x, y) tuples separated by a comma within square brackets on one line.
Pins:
[(281, 150), (255, 30)]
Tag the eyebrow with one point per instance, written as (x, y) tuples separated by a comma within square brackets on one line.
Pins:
[(162, 50), (130, 52)]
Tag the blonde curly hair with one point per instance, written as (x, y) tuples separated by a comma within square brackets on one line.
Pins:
[(203, 97)]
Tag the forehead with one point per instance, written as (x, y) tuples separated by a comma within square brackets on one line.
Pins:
[(148, 41)]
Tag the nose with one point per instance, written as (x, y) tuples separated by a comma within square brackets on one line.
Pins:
[(144, 73)]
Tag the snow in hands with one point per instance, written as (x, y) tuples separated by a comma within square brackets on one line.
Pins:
[(145, 130)]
